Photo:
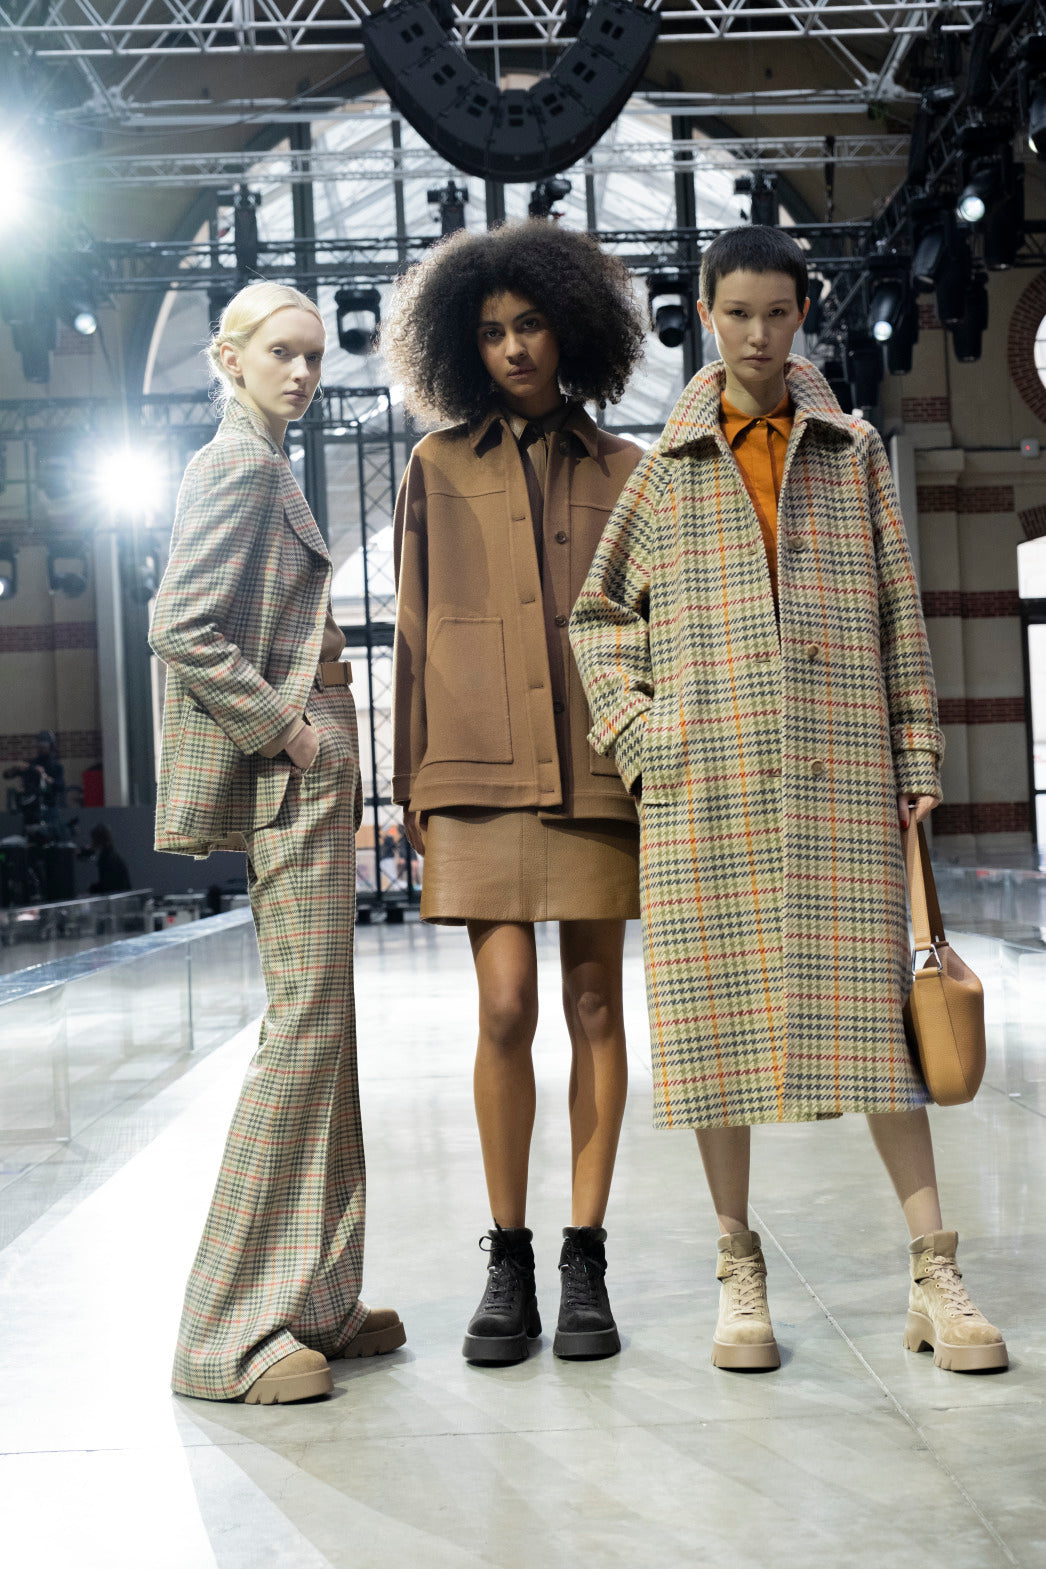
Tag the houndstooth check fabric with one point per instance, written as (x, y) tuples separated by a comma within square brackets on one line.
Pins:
[(238, 621), (280, 1261), (771, 881)]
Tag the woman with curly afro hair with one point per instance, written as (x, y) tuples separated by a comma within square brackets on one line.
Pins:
[(506, 335)]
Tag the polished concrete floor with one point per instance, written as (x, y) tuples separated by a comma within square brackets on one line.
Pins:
[(855, 1453)]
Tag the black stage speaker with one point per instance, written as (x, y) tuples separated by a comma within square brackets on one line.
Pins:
[(511, 135)]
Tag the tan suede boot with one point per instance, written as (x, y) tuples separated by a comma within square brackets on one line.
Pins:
[(301, 1376), (381, 1331), (744, 1335), (941, 1317)]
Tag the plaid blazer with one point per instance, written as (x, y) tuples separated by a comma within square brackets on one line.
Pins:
[(772, 885), (238, 622)]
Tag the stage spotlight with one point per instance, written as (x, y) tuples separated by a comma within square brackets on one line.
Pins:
[(127, 481), (450, 199), (968, 333), (834, 374), (1037, 119), (815, 288), (901, 346), (864, 367), (546, 194), (668, 296), (932, 243), (1004, 225), (761, 188), (952, 282), (245, 230), (8, 571), (978, 191), (887, 309), (85, 322), (60, 578), (358, 300)]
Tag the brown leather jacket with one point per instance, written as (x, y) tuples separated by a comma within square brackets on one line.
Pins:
[(488, 707)]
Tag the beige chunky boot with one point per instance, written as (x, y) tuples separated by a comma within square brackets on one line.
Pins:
[(300, 1376), (941, 1317), (744, 1335)]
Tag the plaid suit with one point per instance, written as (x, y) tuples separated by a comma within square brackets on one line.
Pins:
[(771, 881), (239, 620)]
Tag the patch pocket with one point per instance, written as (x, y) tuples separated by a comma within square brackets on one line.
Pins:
[(466, 692)]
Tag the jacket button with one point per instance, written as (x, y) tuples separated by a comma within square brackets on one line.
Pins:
[(562, 537), (813, 652), (818, 768), (558, 707), (797, 543), (564, 448), (561, 621)]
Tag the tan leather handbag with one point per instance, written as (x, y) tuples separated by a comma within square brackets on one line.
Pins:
[(944, 1014)]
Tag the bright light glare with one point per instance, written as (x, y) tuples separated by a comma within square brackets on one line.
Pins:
[(6, 587), (129, 481), (971, 207), (85, 322), (882, 331)]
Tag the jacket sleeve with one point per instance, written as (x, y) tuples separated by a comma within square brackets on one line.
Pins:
[(223, 521), (410, 547), (610, 626), (915, 732)]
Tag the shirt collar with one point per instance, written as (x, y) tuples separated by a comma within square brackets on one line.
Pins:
[(572, 418), (735, 423)]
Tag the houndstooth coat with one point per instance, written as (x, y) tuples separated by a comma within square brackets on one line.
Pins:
[(772, 884), (238, 621)]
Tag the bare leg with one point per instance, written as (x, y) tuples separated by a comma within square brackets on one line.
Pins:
[(906, 1149), (506, 972), (590, 957), (726, 1153)]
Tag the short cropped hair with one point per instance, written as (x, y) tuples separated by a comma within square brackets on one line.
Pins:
[(242, 317), (754, 247), (428, 335)]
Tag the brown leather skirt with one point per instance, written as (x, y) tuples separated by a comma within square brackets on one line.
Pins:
[(483, 865)]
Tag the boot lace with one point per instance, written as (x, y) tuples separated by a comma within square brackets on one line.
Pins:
[(580, 1282), (947, 1277), (503, 1274), (746, 1280)]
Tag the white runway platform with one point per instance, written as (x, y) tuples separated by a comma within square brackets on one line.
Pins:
[(854, 1454)]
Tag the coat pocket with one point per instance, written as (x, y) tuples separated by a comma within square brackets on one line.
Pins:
[(207, 765), (466, 692)]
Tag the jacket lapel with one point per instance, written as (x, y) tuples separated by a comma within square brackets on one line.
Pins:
[(295, 507)]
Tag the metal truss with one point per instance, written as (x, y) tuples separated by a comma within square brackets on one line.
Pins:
[(83, 29), (116, 43), (265, 169)]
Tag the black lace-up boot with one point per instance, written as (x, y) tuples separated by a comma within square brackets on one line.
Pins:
[(586, 1325), (508, 1314)]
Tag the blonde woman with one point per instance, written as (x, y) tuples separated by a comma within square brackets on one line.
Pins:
[(260, 754)]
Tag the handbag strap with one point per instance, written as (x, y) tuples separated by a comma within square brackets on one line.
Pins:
[(927, 926)]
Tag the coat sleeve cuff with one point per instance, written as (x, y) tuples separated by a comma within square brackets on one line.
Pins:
[(274, 747), (918, 773), (628, 750)]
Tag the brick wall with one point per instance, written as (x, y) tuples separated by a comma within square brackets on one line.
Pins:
[(1020, 346)]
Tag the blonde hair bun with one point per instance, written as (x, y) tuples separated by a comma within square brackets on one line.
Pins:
[(242, 317)]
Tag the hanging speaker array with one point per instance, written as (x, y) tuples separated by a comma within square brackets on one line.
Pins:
[(510, 135)]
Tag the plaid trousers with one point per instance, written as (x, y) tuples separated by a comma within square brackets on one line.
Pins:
[(280, 1262)]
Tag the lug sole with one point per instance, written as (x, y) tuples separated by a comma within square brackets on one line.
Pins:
[(586, 1344), (374, 1343), (763, 1357), (274, 1389), (919, 1336), (497, 1350)]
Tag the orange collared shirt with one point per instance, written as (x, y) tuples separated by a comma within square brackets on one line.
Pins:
[(759, 446)]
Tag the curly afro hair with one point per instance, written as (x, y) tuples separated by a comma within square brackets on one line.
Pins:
[(429, 333)]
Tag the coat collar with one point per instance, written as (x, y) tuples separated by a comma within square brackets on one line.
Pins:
[(695, 417), (296, 509), (576, 421), (240, 417)]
